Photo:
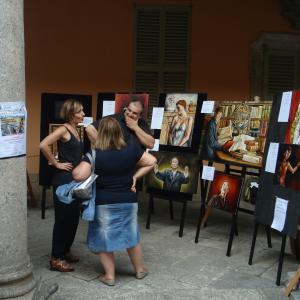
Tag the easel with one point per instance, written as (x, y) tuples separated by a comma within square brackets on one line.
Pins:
[(282, 249), (293, 282), (43, 203), (30, 194), (233, 228), (171, 196)]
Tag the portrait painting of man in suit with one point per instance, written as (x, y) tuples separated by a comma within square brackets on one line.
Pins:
[(174, 172)]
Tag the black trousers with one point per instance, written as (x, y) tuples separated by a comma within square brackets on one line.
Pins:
[(65, 226)]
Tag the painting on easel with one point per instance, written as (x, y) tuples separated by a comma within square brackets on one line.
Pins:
[(287, 173), (235, 133), (174, 172), (224, 192)]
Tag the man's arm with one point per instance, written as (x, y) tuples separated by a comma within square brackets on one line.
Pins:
[(91, 132), (146, 139), (211, 137)]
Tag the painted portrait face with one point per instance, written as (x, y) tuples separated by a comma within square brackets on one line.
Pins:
[(218, 116), (287, 153), (174, 163), (181, 106), (133, 110), (224, 188)]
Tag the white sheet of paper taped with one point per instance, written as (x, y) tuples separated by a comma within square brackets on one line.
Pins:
[(279, 214), (285, 106), (156, 145), (208, 173), (272, 158), (207, 107), (108, 108), (157, 117), (87, 121)]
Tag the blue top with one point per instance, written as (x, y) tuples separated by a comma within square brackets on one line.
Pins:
[(115, 169)]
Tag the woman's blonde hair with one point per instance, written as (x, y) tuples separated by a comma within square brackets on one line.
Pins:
[(69, 108), (110, 136)]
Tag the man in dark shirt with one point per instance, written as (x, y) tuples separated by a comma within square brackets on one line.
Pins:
[(133, 126), (173, 178), (211, 144)]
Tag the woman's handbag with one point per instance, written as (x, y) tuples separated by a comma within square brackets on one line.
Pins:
[(84, 191)]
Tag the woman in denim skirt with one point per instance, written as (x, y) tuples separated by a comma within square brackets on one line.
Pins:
[(115, 226)]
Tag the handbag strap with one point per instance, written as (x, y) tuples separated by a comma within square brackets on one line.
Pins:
[(92, 159)]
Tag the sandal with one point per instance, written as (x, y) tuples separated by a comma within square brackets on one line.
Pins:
[(60, 265), (71, 258), (142, 274), (109, 282)]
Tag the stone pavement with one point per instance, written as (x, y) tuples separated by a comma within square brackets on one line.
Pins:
[(179, 268)]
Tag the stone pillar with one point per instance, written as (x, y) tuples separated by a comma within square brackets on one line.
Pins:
[(16, 277)]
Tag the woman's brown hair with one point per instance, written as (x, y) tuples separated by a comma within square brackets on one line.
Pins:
[(110, 136), (181, 102), (69, 108)]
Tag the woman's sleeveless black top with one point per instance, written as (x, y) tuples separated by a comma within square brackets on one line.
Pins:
[(70, 151)]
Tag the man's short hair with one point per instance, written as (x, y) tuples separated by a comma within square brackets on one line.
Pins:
[(218, 109), (135, 101)]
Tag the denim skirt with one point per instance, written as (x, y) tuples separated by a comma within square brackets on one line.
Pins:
[(114, 228)]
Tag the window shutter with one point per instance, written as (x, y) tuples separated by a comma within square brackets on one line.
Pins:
[(280, 71), (162, 50)]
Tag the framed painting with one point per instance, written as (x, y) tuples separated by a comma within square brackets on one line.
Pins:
[(182, 121), (287, 173), (236, 133), (122, 100), (292, 135), (174, 172), (249, 192), (224, 192)]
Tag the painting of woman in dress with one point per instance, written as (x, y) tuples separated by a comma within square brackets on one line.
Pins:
[(287, 168), (178, 121)]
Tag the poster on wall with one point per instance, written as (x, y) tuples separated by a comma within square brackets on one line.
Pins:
[(224, 192), (174, 172), (182, 121), (13, 118), (236, 133), (287, 173)]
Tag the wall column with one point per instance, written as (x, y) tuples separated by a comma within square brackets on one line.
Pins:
[(16, 277)]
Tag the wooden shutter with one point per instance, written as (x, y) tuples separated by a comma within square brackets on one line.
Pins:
[(162, 50), (280, 71)]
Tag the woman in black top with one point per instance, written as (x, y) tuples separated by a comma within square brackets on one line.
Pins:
[(115, 226), (70, 151)]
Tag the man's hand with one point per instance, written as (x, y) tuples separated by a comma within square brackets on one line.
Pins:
[(131, 123), (186, 172)]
